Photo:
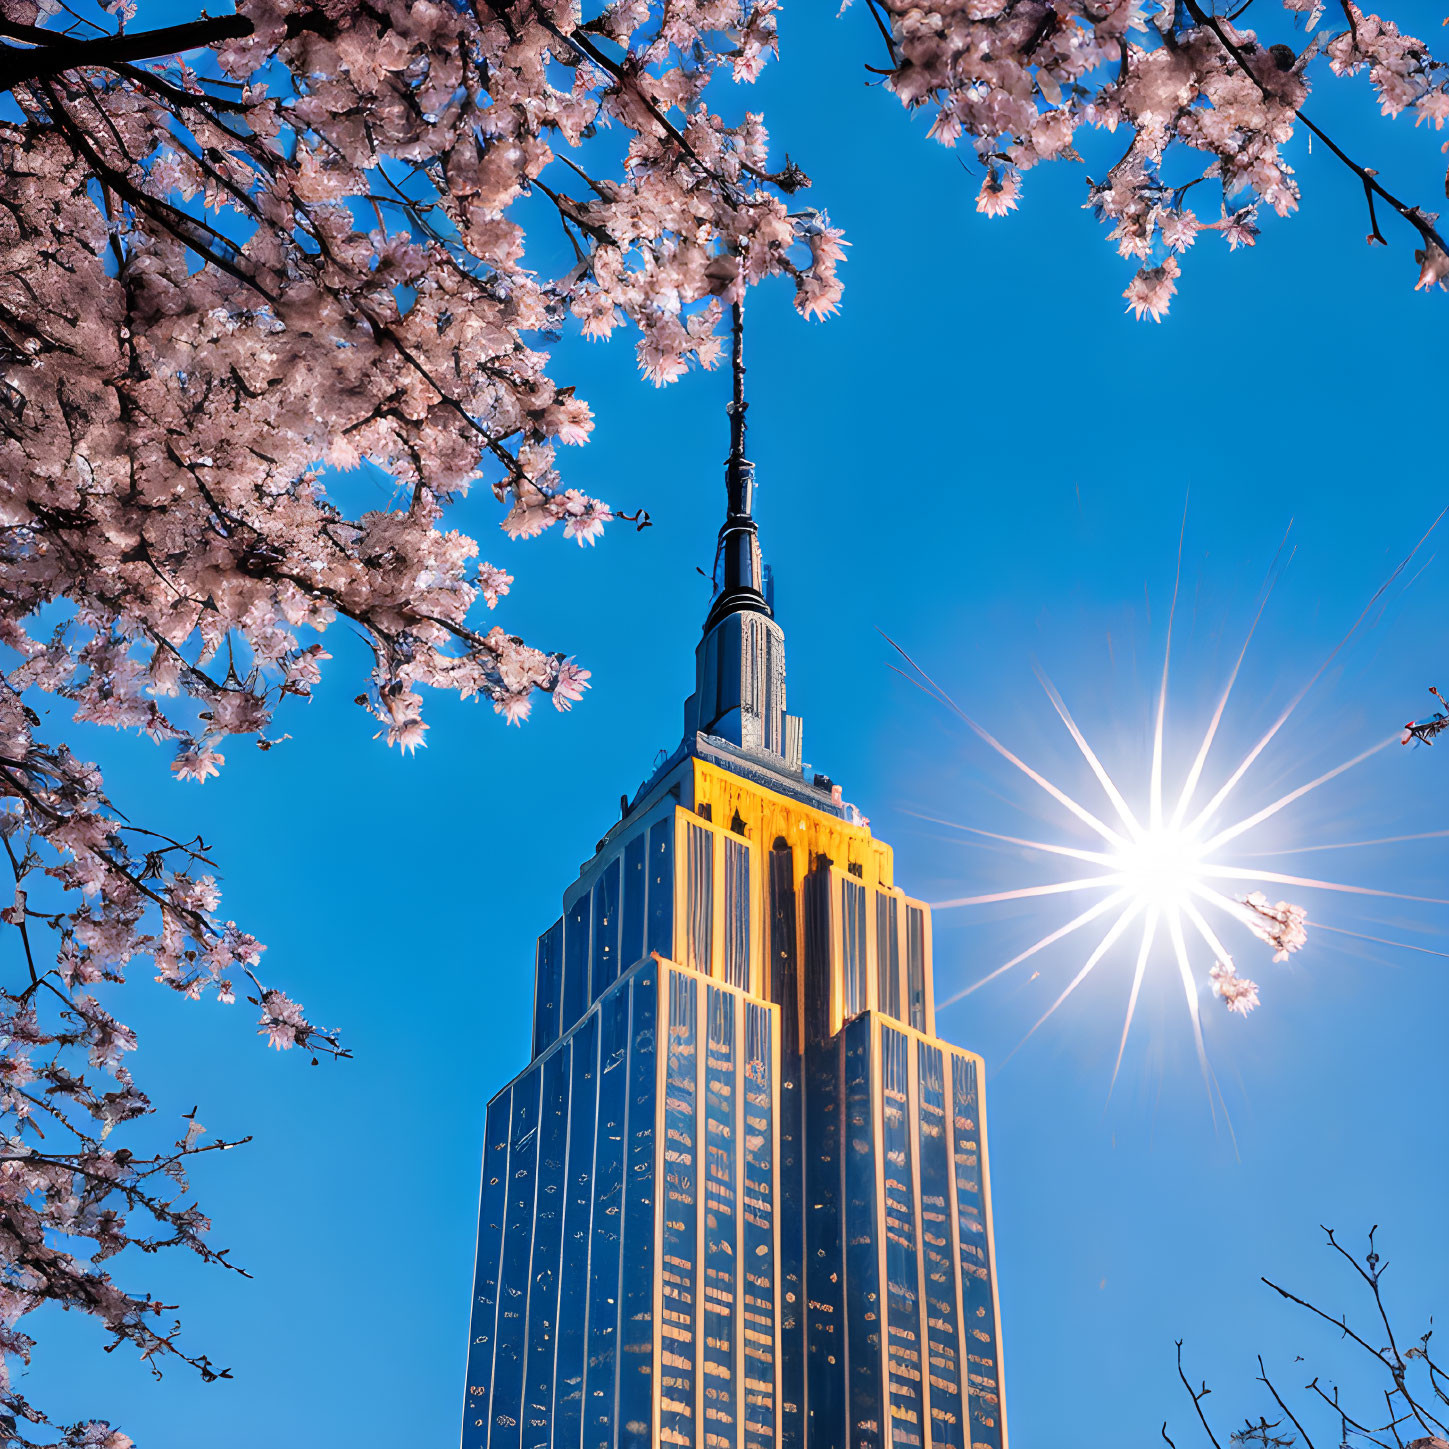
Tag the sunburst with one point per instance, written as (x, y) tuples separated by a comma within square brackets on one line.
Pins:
[(1173, 872)]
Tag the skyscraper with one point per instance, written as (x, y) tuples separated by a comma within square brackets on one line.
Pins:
[(739, 1196)]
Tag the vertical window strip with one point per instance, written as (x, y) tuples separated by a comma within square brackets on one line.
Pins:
[(903, 1337), (543, 1297), (737, 913), (679, 1265), (518, 1236), (568, 1399), (661, 888), (491, 1209), (576, 963), (701, 897), (943, 1366), (547, 988), (720, 1301), (888, 953), (852, 925), (978, 1306), (757, 1266), (916, 965), (825, 1296), (860, 1166), (636, 1299), (606, 930), (631, 948), (601, 1379)]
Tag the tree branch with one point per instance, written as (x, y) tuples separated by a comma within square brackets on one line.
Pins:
[(49, 55)]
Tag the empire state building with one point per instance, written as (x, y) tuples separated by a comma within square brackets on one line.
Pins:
[(739, 1196)]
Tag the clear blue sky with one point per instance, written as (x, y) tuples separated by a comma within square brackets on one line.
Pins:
[(985, 457)]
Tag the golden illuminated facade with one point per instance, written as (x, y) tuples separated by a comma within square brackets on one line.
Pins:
[(739, 1197)]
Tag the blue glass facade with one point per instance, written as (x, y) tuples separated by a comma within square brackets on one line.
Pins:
[(739, 1197)]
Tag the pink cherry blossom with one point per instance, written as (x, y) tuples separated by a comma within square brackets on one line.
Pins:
[(1281, 926), (1152, 289), (1236, 992), (515, 708), (1198, 99), (999, 193), (570, 684)]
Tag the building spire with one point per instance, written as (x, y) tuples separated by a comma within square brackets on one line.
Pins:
[(738, 570)]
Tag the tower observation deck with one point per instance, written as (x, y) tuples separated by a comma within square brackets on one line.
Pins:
[(739, 1196)]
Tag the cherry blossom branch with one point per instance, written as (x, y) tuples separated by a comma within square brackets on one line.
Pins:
[(790, 179), (1371, 185)]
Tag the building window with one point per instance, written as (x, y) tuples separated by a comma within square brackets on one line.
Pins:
[(631, 948), (700, 901), (888, 953), (576, 962), (661, 888), (737, 913), (852, 935), (606, 929), (548, 981), (916, 965), (781, 985)]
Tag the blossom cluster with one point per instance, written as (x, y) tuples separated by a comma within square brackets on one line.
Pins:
[(1203, 103), (1280, 926), (1236, 992)]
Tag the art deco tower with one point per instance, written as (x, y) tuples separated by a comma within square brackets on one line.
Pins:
[(739, 1196)]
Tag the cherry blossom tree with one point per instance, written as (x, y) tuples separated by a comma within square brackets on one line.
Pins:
[(1203, 101), (240, 253), (1405, 1391)]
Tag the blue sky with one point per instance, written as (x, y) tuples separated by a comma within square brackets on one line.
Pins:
[(984, 457)]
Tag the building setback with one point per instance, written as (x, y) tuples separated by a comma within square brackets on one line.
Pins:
[(739, 1197)]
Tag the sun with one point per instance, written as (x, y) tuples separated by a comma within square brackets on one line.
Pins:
[(1173, 872), (1161, 868)]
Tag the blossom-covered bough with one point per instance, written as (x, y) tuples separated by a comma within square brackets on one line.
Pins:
[(1204, 103), (229, 270)]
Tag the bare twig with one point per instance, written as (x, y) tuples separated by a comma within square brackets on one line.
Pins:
[(1197, 1397)]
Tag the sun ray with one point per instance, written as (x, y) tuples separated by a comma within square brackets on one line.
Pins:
[(1207, 933), (1055, 889), (1179, 949), (1297, 699), (1104, 779), (1381, 940), (1349, 844), (1233, 872), (1092, 857), (1233, 831), (1090, 914), (1195, 773), (1060, 796), (1103, 946), (1155, 786), (1236, 909), (1149, 931)]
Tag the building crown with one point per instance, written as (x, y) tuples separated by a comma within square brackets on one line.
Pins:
[(739, 694)]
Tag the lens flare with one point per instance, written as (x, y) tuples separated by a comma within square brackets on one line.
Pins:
[(1173, 870)]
